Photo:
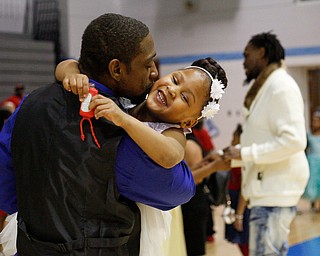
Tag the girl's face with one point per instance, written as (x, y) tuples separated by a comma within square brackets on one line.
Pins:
[(179, 97)]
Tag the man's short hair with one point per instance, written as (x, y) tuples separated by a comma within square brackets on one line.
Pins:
[(110, 36)]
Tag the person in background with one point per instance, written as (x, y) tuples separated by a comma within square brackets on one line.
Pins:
[(14, 100), (312, 191), (203, 136), (212, 128), (238, 232), (275, 169), (197, 211), (204, 139)]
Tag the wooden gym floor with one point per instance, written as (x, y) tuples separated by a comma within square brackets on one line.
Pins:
[(304, 237)]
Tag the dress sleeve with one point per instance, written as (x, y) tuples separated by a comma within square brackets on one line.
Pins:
[(140, 179), (8, 197)]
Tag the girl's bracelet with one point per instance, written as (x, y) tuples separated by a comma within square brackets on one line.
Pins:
[(239, 216)]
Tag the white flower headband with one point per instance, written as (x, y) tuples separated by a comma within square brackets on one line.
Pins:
[(216, 92)]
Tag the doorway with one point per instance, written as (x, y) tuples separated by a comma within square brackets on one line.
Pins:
[(314, 89)]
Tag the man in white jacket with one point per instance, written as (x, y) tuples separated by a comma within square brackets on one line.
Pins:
[(274, 166)]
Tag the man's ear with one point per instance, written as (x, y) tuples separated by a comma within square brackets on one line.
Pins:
[(262, 52), (115, 69), (189, 123)]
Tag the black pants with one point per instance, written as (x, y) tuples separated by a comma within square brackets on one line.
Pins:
[(195, 217)]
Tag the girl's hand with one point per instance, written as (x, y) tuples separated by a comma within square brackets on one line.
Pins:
[(107, 108), (78, 84)]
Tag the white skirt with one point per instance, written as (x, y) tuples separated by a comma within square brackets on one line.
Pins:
[(8, 236), (155, 231)]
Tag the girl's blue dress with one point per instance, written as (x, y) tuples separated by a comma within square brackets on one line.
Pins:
[(312, 191)]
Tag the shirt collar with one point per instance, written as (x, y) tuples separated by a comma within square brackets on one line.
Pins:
[(126, 103), (102, 87)]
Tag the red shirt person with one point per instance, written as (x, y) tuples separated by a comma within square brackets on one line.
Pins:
[(13, 101)]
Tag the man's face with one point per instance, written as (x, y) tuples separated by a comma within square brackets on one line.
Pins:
[(253, 59), (139, 79)]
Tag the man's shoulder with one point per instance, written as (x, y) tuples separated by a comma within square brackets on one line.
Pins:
[(281, 80), (50, 97), (280, 74), (48, 91)]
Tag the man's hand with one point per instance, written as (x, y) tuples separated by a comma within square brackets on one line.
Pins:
[(212, 156), (232, 152), (216, 161)]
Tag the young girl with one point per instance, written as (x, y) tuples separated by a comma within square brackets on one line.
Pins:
[(175, 103), (312, 191)]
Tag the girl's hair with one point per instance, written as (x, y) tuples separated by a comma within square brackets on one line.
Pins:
[(215, 70)]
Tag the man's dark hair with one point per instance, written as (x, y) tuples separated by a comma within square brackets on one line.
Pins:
[(110, 36), (273, 48), (238, 130)]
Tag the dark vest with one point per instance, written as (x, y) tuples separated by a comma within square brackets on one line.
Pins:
[(66, 190)]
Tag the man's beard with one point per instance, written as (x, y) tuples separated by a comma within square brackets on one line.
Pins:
[(251, 76), (139, 99), (247, 81)]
